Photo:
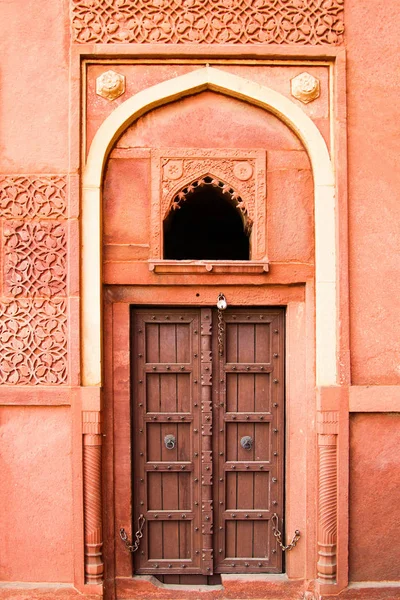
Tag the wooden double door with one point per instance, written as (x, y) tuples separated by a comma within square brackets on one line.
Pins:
[(208, 439)]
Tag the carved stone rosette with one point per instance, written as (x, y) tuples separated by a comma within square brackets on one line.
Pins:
[(327, 428), (92, 441)]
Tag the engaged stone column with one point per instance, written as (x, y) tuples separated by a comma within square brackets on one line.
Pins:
[(92, 440), (327, 428)]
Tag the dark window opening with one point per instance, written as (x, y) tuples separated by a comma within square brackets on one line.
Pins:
[(206, 226)]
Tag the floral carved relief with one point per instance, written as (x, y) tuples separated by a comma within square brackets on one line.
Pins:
[(191, 168), (33, 336), (24, 196), (208, 21), (239, 173), (33, 309), (35, 258)]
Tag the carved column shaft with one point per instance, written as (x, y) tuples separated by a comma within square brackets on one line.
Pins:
[(92, 441), (327, 495)]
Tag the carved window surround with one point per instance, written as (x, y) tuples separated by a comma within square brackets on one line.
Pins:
[(173, 169)]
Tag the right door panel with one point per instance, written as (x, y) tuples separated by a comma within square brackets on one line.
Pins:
[(248, 440)]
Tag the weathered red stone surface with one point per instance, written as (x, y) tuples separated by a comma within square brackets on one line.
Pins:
[(374, 181), (374, 497), (37, 512)]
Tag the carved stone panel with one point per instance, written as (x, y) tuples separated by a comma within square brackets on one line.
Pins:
[(30, 196), (243, 172), (33, 342), (208, 21), (35, 258), (33, 306)]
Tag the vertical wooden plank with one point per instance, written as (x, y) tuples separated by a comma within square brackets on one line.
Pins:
[(262, 441), (246, 341), (262, 343), (261, 540), (231, 441), (167, 343), (154, 486), (261, 491), (153, 442), (231, 490), (245, 392), (244, 539), (153, 400), (230, 539), (168, 392), (183, 343), (231, 392), (262, 402), (231, 342), (184, 393), (185, 541), (155, 540), (152, 340), (185, 495)]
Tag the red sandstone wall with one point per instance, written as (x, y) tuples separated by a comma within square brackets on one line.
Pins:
[(374, 497), (35, 489), (373, 45)]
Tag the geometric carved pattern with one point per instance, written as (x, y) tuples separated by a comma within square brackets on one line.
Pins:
[(35, 258), (238, 172), (32, 196), (92, 442), (33, 342), (312, 22)]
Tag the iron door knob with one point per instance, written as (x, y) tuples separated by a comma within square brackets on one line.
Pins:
[(170, 441), (246, 442)]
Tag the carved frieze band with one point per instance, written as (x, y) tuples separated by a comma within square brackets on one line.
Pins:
[(33, 309), (327, 428), (92, 441), (312, 22), (206, 452)]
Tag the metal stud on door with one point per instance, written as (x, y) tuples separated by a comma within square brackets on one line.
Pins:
[(249, 420), (208, 440), (167, 444)]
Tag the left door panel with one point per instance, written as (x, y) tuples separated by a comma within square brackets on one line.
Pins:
[(166, 411)]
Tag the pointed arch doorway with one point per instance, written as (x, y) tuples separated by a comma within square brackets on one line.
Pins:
[(118, 301)]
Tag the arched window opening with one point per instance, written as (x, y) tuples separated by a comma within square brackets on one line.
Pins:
[(207, 221)]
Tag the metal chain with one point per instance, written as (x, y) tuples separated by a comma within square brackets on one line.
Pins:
[(221, 305), (138, 535), (278, 534), (220, 332)]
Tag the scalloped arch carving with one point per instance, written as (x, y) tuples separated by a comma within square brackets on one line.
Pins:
[(227, 190)]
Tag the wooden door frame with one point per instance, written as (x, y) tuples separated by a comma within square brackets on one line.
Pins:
[(300, 480)]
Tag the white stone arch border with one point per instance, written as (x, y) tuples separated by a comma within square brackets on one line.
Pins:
[(210, 78)]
